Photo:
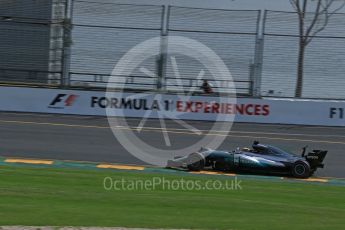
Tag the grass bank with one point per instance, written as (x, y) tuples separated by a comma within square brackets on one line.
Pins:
[(70, 197)]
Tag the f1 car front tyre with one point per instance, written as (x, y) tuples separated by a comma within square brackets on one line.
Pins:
[(301, 170), (196, 162)]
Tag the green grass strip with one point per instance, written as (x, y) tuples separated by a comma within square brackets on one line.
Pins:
[(73, 197)]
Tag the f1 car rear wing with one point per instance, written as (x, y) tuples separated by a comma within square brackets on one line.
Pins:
[(315, 158)]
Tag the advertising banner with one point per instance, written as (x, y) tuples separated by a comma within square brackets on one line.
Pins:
[(267, 110)]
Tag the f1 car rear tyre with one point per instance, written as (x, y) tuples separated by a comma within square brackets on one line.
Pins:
[(301, 170), (195, 162)]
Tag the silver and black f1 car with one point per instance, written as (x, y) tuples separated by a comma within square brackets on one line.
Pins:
[(260, 159)]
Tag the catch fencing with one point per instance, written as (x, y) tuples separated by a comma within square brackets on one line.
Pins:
[(77, 43), (118, 28), (324, 62), (100, 41), (28, 52)]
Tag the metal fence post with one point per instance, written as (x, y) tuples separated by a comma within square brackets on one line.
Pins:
[(258, 58), (55, 62), (162, 59), (67, 42), (251, 68)]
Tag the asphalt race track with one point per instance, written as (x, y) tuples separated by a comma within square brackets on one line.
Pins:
[(88, 138)]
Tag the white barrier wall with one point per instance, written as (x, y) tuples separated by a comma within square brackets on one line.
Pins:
[(282, 111)]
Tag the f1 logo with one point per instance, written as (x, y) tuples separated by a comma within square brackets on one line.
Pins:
[(61, 98), (336, 113)]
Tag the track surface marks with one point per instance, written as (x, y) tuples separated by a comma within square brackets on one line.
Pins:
[(88, 138)]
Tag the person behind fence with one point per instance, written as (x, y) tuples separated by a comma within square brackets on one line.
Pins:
[(206, 87)]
